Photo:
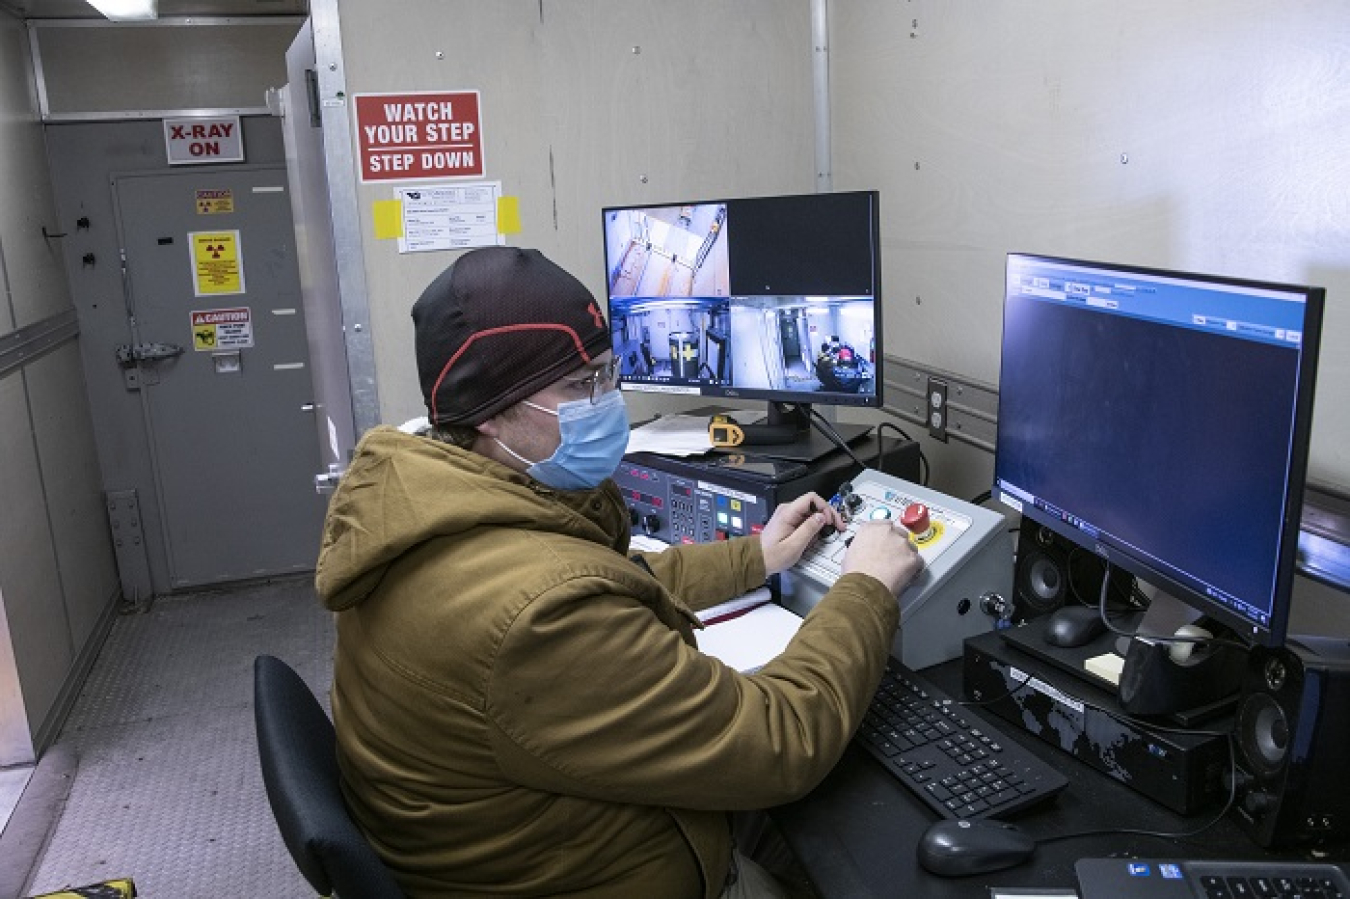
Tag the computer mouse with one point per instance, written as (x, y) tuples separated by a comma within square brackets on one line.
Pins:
[(959, 848), (1073, 626)]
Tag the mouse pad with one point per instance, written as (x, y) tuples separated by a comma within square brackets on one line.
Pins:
[(1030, 638)]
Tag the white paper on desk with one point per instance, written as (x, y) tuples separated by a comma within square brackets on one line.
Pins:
[(681, 435), (672, 435), (641, 543), (752, 640)]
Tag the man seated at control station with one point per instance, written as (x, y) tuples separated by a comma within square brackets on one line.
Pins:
[(521, 708)]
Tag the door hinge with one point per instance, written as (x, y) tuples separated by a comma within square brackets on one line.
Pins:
[(312, 93), (327, 481)]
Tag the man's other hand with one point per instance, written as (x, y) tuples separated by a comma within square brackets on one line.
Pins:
[(791, 529), (885, 552)]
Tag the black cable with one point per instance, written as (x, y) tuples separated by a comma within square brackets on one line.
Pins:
[(1101, 611), (983, 498), (1006, 694), (896, 428), (828, 430), (1135, 594), (881, 444), (1162, 834)]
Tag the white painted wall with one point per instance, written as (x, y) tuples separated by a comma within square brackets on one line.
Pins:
[(1206, 135), (57, 577), (585, 103), (1202, 136)]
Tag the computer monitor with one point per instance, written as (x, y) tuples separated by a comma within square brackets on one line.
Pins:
[(764, 298), (1161, 420)]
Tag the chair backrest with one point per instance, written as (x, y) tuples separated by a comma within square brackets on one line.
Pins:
[(297, 748)]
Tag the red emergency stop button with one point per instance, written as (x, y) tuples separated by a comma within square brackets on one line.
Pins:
[(915, 519)]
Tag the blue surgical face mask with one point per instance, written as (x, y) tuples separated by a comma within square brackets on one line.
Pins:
[(594, 437)]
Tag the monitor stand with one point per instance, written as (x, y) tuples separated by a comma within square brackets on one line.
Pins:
[(1161, 678), (806, 443), (808, 446)]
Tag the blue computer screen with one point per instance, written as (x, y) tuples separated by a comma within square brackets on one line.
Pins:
[(1162, 420)]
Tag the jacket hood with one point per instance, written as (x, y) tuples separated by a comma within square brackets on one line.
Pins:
[(402, 490)]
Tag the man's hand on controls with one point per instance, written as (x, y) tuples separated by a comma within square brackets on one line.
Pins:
[(884, 551), (791, 529)]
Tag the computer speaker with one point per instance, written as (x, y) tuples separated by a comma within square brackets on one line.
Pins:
[(1292, 742), (1050, 570)]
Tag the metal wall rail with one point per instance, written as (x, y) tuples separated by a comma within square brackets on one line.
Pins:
[(967, 409), (19, 348)]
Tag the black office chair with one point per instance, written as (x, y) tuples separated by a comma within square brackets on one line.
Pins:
[(297, 748)]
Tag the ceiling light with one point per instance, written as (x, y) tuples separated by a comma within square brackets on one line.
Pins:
[(126, 10)]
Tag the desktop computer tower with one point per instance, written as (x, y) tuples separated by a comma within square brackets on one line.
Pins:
[(1292, 741), (1179, 769)]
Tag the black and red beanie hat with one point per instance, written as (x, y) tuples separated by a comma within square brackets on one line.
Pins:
[(498, 325)]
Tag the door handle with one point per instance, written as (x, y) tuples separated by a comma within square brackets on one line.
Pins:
[(130, 357), (129, 354)]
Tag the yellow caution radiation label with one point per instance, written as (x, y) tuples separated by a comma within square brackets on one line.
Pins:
[(217, 263), (215, 202)]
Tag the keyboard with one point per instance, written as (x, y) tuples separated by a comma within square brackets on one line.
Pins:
[(948, 756), (1138, 878)]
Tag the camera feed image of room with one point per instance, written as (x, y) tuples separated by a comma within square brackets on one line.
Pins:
[(668, 287), (797, 343), (668, 251), (679, 341)]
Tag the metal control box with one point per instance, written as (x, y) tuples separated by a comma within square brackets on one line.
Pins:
[(967, 553)]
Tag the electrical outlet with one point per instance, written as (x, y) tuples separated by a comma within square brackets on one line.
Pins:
[(937, 409)]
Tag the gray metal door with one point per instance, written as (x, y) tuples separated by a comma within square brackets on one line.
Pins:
[(317, 132), (221, 363), (303, 134)]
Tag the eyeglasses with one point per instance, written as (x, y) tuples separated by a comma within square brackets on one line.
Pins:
[(597, 384)]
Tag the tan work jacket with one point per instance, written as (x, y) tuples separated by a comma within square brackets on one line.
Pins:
[(522, 710)]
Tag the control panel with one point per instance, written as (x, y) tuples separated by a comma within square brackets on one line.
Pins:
[(967, 552), (691, 505), (705, 498)]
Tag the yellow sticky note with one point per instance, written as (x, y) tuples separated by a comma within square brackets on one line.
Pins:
[(508, 215), (388, 219)]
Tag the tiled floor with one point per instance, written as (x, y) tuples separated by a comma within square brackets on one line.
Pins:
[(168, 790)]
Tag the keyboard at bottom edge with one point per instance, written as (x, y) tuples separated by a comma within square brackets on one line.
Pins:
[(1112, 878), (953, 760)]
